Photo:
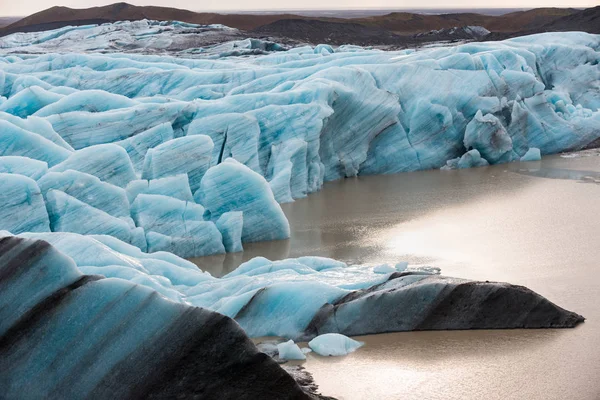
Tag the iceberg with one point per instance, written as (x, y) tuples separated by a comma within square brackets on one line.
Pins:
[(290, 351), (532, 154), (334, 344), (230, 225)]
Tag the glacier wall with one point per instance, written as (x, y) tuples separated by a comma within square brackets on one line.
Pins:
[(180, 142)]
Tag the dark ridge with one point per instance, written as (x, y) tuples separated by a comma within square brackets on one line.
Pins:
[(223, 146), (587, 20), (313, 31), (246, 306), (33, 317), (194, 353), (204, 363), (458, 304), (498, 307)]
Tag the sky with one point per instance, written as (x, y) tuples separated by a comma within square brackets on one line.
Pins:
[(26, 7)]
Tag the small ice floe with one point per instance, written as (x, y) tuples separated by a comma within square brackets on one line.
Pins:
[(290, 351), (334, 344), (401, 266), (533, 154), (384, 269)]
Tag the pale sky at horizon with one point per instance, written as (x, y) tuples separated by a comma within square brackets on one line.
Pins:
[(26, 7)]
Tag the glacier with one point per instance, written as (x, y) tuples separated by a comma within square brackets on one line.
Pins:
[(65, 334), (334, 344), (141, 135), (303, 298)]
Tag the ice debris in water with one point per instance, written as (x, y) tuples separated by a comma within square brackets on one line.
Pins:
[(290, 351), (334, 344), (532, 154), (164, 136), (384, 269)]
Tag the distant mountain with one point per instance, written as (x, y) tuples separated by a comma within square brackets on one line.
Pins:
[(4, 21), (408, 23), (394, 27), (587, 20), (317, 31), (57, 17)]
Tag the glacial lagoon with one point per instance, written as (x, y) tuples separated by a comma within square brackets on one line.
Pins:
[(534, 224)]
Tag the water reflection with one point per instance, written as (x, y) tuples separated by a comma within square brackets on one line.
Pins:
[(421, 217), (502, 223), (222, 264)]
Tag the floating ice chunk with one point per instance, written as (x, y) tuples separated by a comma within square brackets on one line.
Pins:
[(320, 263), (323, 49), (290, 351), (286, 298), (22, 205), (15, 141), (190, 155), (26, 166), (137, 146), (176, 186), (288, 170), (109, 162), (471, 159), (401, 266), (334, 344), (230, 225), (533, 154), (451, 164), (384, 269), (231, 186), (89, 189)]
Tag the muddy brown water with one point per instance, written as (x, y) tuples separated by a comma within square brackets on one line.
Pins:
[(534, 224)]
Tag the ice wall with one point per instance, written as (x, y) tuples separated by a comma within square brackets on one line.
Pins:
[(308, 296), (248, 132)]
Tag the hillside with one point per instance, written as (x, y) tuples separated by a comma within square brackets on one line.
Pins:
[(58, 16), (381, 29)]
